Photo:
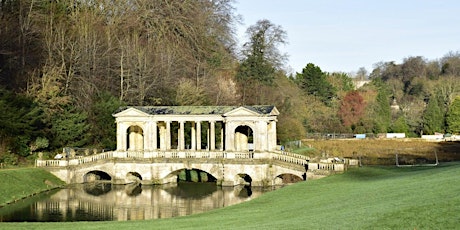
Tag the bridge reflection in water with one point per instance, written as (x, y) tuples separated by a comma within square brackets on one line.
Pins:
[(99, 202)]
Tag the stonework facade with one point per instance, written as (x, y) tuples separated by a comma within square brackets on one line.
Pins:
[(196, 128)]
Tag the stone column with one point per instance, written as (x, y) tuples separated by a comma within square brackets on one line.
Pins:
[(193, 136), (207, 138), (198, 135), (260, 136), (213, 136), (181, 141), (124, 137), (154, 137), (272, 136), (229, 136), (139, 138), (121, 137), (168, 135)]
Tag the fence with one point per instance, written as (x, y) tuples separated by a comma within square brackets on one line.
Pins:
[(338, 135)]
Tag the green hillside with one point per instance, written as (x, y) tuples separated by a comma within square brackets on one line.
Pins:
[(20, 183)]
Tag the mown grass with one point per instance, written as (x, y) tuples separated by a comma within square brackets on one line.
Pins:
[(362, 198), (23, 182)]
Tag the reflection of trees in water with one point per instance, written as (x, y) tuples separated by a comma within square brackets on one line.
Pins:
[(192, 190), (133, 189), (97, 189)]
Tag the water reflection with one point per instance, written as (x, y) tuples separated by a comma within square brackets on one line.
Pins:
[(97, 189), (104, 201)]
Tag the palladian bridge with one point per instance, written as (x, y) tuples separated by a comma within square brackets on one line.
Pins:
[(232, 145)]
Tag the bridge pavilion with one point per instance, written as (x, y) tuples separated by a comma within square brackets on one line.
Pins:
[(196, 128)]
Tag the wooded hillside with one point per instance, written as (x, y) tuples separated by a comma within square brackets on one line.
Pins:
[(66, 66)]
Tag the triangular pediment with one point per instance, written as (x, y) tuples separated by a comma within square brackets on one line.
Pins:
[(241, 111), (274, 112), (131, 112)]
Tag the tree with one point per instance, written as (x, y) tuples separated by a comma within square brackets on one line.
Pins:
[(453, 116), (102, 128), (313, 81), (341, 82), (450, 64), (189, 94), (399, 125), (20, 122), (448, 87), (351, 109), (413, 67), (361, 74), (433, 117), (261, 56), (70, 128), (381, 108)]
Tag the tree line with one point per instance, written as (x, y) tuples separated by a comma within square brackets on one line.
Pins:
[(66, 66)]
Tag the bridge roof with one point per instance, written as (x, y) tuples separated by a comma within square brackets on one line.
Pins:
[(200, 110)]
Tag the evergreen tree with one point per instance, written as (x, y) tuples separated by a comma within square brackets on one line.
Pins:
[(261, 59), (103, 128), (453, 116), (314, 82), (382, 111), (400, 125), (70, 128), (20, 122), (433, 117)]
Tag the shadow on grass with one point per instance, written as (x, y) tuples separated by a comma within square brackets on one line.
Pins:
[(449, 150)]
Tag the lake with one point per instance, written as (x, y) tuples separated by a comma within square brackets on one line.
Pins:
[(108, 202)]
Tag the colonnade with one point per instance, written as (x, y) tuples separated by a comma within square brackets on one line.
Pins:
[(159, 135), (165, 132), (232, 131)]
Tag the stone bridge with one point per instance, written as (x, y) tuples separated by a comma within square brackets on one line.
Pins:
[(233, 144), (228, 168)]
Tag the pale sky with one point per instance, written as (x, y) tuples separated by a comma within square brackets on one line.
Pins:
[(344, 35)]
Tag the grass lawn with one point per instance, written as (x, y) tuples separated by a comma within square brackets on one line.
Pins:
[(23, 182), (362, 198)]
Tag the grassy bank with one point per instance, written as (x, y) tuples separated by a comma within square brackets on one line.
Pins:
[(362, 198), (16, 184)]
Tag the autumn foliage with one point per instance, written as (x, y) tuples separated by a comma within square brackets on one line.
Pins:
[(351, 109)]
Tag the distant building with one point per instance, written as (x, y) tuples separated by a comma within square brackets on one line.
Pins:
[(394, 105), (360, 83)]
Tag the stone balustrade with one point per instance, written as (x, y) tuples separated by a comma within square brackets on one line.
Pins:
[(286, 157)]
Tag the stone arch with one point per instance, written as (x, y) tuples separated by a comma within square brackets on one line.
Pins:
[(96, 175), (194, 175), (133, 177), (287, 178), (243, 179), (244, 138), (135, 138)]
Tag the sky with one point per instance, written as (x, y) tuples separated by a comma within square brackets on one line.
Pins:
[(344, 35)]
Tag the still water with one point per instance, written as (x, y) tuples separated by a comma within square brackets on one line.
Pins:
[(104, 202)]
